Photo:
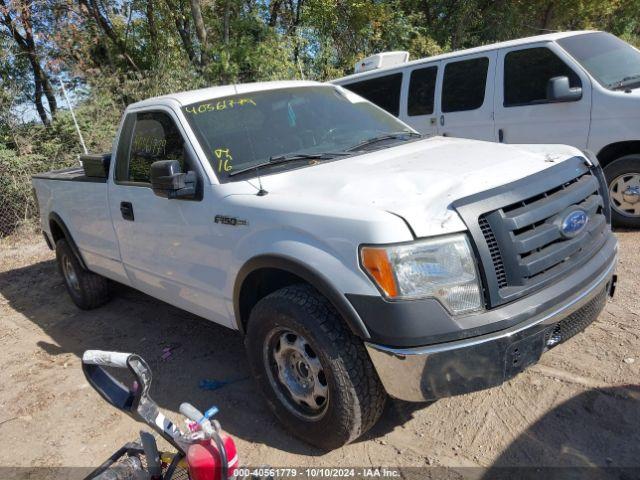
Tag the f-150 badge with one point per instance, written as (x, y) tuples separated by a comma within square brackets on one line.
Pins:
[(233, 221)]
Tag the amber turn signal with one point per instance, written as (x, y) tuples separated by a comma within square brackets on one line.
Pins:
[(376, 262)]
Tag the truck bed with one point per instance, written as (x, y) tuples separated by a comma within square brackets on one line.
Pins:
[(71, 174)]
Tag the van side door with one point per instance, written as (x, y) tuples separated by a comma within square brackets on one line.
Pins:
[(466, 88), (418, 107), (524, 112)]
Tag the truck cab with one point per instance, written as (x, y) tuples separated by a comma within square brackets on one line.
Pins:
[(575, 88)]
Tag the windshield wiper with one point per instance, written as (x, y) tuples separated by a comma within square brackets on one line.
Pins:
[(380, 138), (625, 82), (289, 157), (297, 156)]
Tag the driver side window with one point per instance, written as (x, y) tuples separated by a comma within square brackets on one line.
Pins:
[(154, 137)]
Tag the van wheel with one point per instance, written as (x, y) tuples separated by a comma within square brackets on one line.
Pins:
[(87, 289), (315, 374), (623, 178)]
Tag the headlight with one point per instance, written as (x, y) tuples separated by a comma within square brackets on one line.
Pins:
[(441, 268)]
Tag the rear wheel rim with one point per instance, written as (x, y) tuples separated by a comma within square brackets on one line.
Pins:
[(296, 374), (624, 192), (70, 274)]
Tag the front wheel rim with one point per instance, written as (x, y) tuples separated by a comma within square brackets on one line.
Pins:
[(296, 374), (70, 274), (624, 192)]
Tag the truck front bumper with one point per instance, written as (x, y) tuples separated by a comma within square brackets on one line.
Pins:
[(462, 366)]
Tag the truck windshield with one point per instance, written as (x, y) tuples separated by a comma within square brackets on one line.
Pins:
[(613, 63), (301, 124)]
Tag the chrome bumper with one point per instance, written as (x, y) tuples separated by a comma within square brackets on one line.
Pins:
[(453, 368)]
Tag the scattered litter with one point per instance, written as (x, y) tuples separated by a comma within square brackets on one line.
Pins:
[(168, 349), (629, 360), (207, 384)]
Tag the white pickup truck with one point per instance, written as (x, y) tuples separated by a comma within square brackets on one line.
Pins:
[(357, 259)]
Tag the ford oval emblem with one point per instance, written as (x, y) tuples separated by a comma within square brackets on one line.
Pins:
[(573, 223)]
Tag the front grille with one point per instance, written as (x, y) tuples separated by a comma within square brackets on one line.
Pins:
[(527, 233), (494, 250), (530, 231), (516, 228), (576, 322)]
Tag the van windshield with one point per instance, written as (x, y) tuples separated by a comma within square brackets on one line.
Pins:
[(613, 63), (289, 128)]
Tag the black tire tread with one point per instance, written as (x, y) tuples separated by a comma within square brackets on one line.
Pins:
[(612, 170), (352, 369), (95, 289)]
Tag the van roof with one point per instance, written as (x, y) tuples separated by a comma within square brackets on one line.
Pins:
[(194, 96), (549, 37)]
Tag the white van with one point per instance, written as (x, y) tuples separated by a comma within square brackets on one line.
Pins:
[(576, 88)]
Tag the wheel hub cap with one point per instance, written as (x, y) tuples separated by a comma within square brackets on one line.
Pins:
[(298, 373), (70, 273), (624, 191)]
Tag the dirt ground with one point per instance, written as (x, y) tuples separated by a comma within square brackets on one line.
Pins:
[(580, 406)]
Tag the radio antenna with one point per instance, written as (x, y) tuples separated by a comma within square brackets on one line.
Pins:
[(261, 192), (73, 116)]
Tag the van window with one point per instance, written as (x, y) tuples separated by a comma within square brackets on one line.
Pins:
[(614, 64), (154, 137), (422, 87), (464, 84), (383, 91), (527, 73)]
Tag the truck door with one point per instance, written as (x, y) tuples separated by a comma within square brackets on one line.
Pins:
[(466, 96), (419, 102), (523, 113), (163, 242)]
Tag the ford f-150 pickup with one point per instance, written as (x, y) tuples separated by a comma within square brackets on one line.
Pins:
[(357, 258)]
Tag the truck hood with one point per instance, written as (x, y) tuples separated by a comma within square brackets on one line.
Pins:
[(418, 180)]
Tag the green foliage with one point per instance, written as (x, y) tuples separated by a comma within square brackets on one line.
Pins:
[(114, 52)]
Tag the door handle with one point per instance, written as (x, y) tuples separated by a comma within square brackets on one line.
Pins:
[(442, 120), (500, 135), (126, 209)]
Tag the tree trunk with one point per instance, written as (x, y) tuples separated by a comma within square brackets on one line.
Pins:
[(37, 99), (227, 18), (27, 46), (181, 21), (273, 14), (151, 24), (45, 86), (105, 26), (546, 19), (201, 31)]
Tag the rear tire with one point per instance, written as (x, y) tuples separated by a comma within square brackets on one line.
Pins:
[(315, 374), (88, 290), (623, 180)]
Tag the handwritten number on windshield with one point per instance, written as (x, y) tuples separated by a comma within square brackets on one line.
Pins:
[(219, 105), (224, 159)]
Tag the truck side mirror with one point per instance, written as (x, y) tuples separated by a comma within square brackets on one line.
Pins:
[(558, 90), (168, 180)]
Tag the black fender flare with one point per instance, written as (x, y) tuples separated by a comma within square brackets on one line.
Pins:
[(55, 218), (312, 277)]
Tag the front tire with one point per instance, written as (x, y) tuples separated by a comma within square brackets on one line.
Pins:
[(315, 374), (88, 290), (623, 179)]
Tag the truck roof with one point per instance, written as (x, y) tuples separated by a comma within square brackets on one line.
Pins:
[(194, 96), (549, 37)]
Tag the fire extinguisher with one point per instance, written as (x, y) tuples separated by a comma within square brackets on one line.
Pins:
[(212, 456)]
